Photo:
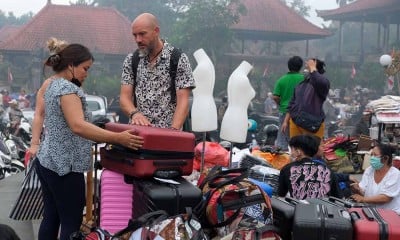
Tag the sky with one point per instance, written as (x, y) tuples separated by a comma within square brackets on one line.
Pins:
[(19, 7)]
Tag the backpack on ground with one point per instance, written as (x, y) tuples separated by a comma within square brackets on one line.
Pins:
[(231, 201)]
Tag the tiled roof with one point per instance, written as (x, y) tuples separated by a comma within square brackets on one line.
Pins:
[(8, 31), (273, 20), (103, 30), (368, 10)]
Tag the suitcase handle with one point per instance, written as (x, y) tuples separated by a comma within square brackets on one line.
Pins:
[(347, 203), (368, 214), (355, 216), (291, 200)]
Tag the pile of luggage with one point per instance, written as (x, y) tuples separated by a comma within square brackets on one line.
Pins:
[(137, 185), (145, 194), (333, 218)]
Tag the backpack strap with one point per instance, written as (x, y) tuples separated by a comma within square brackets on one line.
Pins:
[(135, 64), (173, 63)]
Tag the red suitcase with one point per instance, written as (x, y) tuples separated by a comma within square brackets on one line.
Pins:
[(165, 153), (375, 224)]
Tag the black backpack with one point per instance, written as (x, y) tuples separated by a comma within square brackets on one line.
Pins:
[(173, 63)]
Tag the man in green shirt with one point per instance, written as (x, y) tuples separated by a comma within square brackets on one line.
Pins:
[(283, 92)]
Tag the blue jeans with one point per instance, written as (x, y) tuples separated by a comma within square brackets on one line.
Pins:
[(282, 139), (64, 200)]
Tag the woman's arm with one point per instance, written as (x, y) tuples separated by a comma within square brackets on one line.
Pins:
[(377, 199), (38, 119), (71, 106)]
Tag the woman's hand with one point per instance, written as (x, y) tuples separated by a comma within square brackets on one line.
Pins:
[(358, 198), (33, 150), (355, 188), (130, 140), (311, 65)]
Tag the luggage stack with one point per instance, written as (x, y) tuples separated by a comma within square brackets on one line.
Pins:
[(166, 153), (137, 182), (332, 218)]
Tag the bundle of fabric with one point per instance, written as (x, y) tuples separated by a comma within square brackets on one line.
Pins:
[(336, 151), (266, 174), (277, 159), (388, 103), (249, 160)]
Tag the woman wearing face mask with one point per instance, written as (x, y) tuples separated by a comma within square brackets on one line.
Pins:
[(305, 178), (63, 154), (380, 183)]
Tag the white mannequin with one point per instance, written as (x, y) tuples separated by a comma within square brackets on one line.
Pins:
[(240, 92), (204, 110)]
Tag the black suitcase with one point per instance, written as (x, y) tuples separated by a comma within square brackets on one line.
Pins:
[(319, 221), (343, 203), (283, 209), (151, 195)]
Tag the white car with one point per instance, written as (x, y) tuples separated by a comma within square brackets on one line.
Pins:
[(97, 105)]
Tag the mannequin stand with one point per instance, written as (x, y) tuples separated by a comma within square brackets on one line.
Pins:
[(230, 154), (203, 152)]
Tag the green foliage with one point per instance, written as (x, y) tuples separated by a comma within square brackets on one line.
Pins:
[(206, 24), (103, 86), (11, 19), (82, 2), (300, 7), (162, 9), (369, 75)]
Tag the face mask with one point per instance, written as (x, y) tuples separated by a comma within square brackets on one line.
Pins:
[(76, 82), (376, 162), (291, 153)]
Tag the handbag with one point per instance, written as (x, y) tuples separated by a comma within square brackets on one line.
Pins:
[(94, 234), (231, 200), (29, 204), (159, 225), (308, 121)]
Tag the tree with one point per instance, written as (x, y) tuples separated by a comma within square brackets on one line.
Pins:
[(162, 9), (82, 2), (11, 19), (207, 24), (300, 7)]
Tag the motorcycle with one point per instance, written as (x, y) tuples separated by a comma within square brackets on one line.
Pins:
[(25, 131), (8, 165)]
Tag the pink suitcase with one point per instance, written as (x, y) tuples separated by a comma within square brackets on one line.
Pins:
[(115, 201)]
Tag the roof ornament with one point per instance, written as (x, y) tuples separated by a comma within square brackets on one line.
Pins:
[(48, 2)]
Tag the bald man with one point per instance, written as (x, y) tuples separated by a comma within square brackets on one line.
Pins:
[(148, 100)]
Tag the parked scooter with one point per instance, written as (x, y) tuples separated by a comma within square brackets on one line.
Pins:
[(8, 165), (25, 131)]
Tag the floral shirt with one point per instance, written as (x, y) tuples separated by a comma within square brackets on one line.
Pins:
[(153, 83), (61, 150)]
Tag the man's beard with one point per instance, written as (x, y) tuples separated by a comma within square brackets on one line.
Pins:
[(143, 52)]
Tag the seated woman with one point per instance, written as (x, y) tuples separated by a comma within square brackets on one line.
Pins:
[(305, 178), (380, 183)]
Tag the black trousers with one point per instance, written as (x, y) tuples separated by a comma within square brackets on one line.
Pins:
[(64, 200)]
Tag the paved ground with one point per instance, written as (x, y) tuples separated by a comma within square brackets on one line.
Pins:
[(9, 189)]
